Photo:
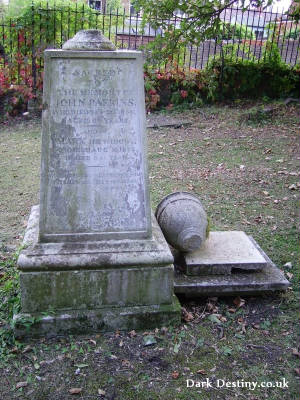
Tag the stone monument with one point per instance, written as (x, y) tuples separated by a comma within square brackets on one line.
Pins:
[(214, 264), (96, 258)]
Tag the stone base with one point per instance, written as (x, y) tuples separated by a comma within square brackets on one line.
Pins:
[(88, 286), (105, 319), (223, 253), (231, 278)]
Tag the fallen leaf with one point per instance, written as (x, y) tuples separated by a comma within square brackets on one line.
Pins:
[(176, 348), (81, 365), (21, 384), (256, 326), (214, 318), (296, 352), (187, 316), (175, 374), (14, 350), (231, 310), (289, 275), (149, 340), (101, 392), (121, 344), (297, 371), (239, 302), (293, 187), (75, 390), (227, 350), (132, 333), (27, 349), (210, 306), (258, 219), (201, 371), (126, 363), (288, 265), (93, 342)]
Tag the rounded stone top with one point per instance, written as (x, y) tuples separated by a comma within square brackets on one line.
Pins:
[(91, 39)]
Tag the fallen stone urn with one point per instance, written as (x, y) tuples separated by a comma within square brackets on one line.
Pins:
[(182, 220)]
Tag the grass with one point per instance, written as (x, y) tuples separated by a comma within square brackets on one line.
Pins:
[(246, 175)]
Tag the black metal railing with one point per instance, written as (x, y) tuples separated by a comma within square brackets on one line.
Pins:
[(23, 39)]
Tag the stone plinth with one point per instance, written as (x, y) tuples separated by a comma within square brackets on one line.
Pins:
[(96, 258), (231, 263), (90, 286)]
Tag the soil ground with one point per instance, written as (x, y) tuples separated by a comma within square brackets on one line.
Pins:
[(244, 166)]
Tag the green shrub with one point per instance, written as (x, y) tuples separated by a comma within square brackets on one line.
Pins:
[(28, 29), (236, 31), (231, 77), (174, 86), (46, 24), (293, 34)]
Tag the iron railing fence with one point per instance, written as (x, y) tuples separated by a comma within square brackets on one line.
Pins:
[(22, 40)]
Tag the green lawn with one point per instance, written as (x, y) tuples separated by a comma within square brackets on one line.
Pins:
[(247, 176)]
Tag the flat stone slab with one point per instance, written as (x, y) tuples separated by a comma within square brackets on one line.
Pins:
[(156, 121), (224, 252), (268, 280)]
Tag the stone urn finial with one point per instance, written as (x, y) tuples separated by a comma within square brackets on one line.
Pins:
[(91, 39)]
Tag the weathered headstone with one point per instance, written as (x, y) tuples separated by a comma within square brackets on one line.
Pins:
[(96, 258)]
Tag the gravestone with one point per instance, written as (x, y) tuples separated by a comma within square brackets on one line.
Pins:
[(97, 259)]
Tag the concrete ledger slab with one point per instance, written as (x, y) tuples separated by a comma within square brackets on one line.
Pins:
[(239, 282), (90, 286)]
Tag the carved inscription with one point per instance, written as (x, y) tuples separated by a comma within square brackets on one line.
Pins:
[(96, 161)]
